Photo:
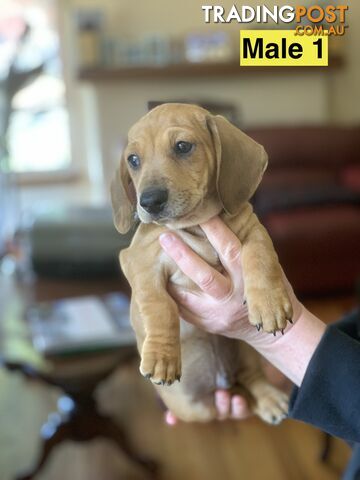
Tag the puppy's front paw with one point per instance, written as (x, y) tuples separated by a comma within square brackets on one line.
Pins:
[(269, 308), (271, 405), (160, 363)]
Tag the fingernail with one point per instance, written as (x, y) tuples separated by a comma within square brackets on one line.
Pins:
[(166, 239)]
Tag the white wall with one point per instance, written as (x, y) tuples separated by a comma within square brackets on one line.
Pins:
[(345, 103)]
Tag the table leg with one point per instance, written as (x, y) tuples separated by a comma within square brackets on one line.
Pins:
[(53, 433)]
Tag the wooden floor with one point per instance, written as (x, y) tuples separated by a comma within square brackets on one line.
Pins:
[(247, 450)]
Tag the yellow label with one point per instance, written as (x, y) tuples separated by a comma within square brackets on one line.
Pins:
[(282, 48)]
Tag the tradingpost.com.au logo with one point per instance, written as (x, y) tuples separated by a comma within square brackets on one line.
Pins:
[(296, 46)]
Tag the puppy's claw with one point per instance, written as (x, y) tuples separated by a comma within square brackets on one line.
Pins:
[(244, 302), (282, 331), (162, 367), (164, 383), (258, 327), (274, 333), (271, 307), (178, 377), (147, 376), (290, 320)]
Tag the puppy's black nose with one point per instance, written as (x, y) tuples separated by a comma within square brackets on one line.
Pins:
[(154, 200)]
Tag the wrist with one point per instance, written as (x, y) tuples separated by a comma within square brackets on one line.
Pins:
[(291, 353)]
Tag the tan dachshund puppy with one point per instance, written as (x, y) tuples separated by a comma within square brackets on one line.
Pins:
[(181, 167)]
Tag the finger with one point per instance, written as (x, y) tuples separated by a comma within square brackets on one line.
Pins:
[(222, 403), (225, 243), (207, 278), (170, 418), (239, 408)]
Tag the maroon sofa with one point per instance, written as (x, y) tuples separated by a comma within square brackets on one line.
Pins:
[(309, 200)]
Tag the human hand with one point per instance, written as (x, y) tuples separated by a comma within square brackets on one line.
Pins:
[(219, 307)]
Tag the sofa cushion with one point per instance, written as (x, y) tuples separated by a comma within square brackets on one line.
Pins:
[(350, 177), (270, 200), (326, 146), (318, 247)]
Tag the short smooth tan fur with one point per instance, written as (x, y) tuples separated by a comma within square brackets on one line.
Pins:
[(181, 166)]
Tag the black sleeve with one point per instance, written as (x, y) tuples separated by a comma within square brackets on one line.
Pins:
[(329, 397)]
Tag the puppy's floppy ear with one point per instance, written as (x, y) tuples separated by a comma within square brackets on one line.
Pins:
[(241, 163), (123, 198)]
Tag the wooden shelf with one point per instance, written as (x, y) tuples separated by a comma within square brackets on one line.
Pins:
[(190, 70)]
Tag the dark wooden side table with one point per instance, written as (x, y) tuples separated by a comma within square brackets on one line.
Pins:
[(78, 376)]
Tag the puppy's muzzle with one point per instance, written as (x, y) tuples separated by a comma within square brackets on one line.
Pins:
[(154, 200)]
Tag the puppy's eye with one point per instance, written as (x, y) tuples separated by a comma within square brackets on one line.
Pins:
[(182, 147), (134, 161)]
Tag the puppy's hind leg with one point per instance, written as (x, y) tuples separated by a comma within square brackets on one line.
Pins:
[(185, 407), (266, 401)]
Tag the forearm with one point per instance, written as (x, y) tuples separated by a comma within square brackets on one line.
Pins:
[(292, 352)]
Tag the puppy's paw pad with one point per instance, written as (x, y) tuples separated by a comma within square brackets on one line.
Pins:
[(160, 369), (269, 310), (272, 406)]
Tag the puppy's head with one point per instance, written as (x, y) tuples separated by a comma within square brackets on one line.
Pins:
[(183, 165)]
